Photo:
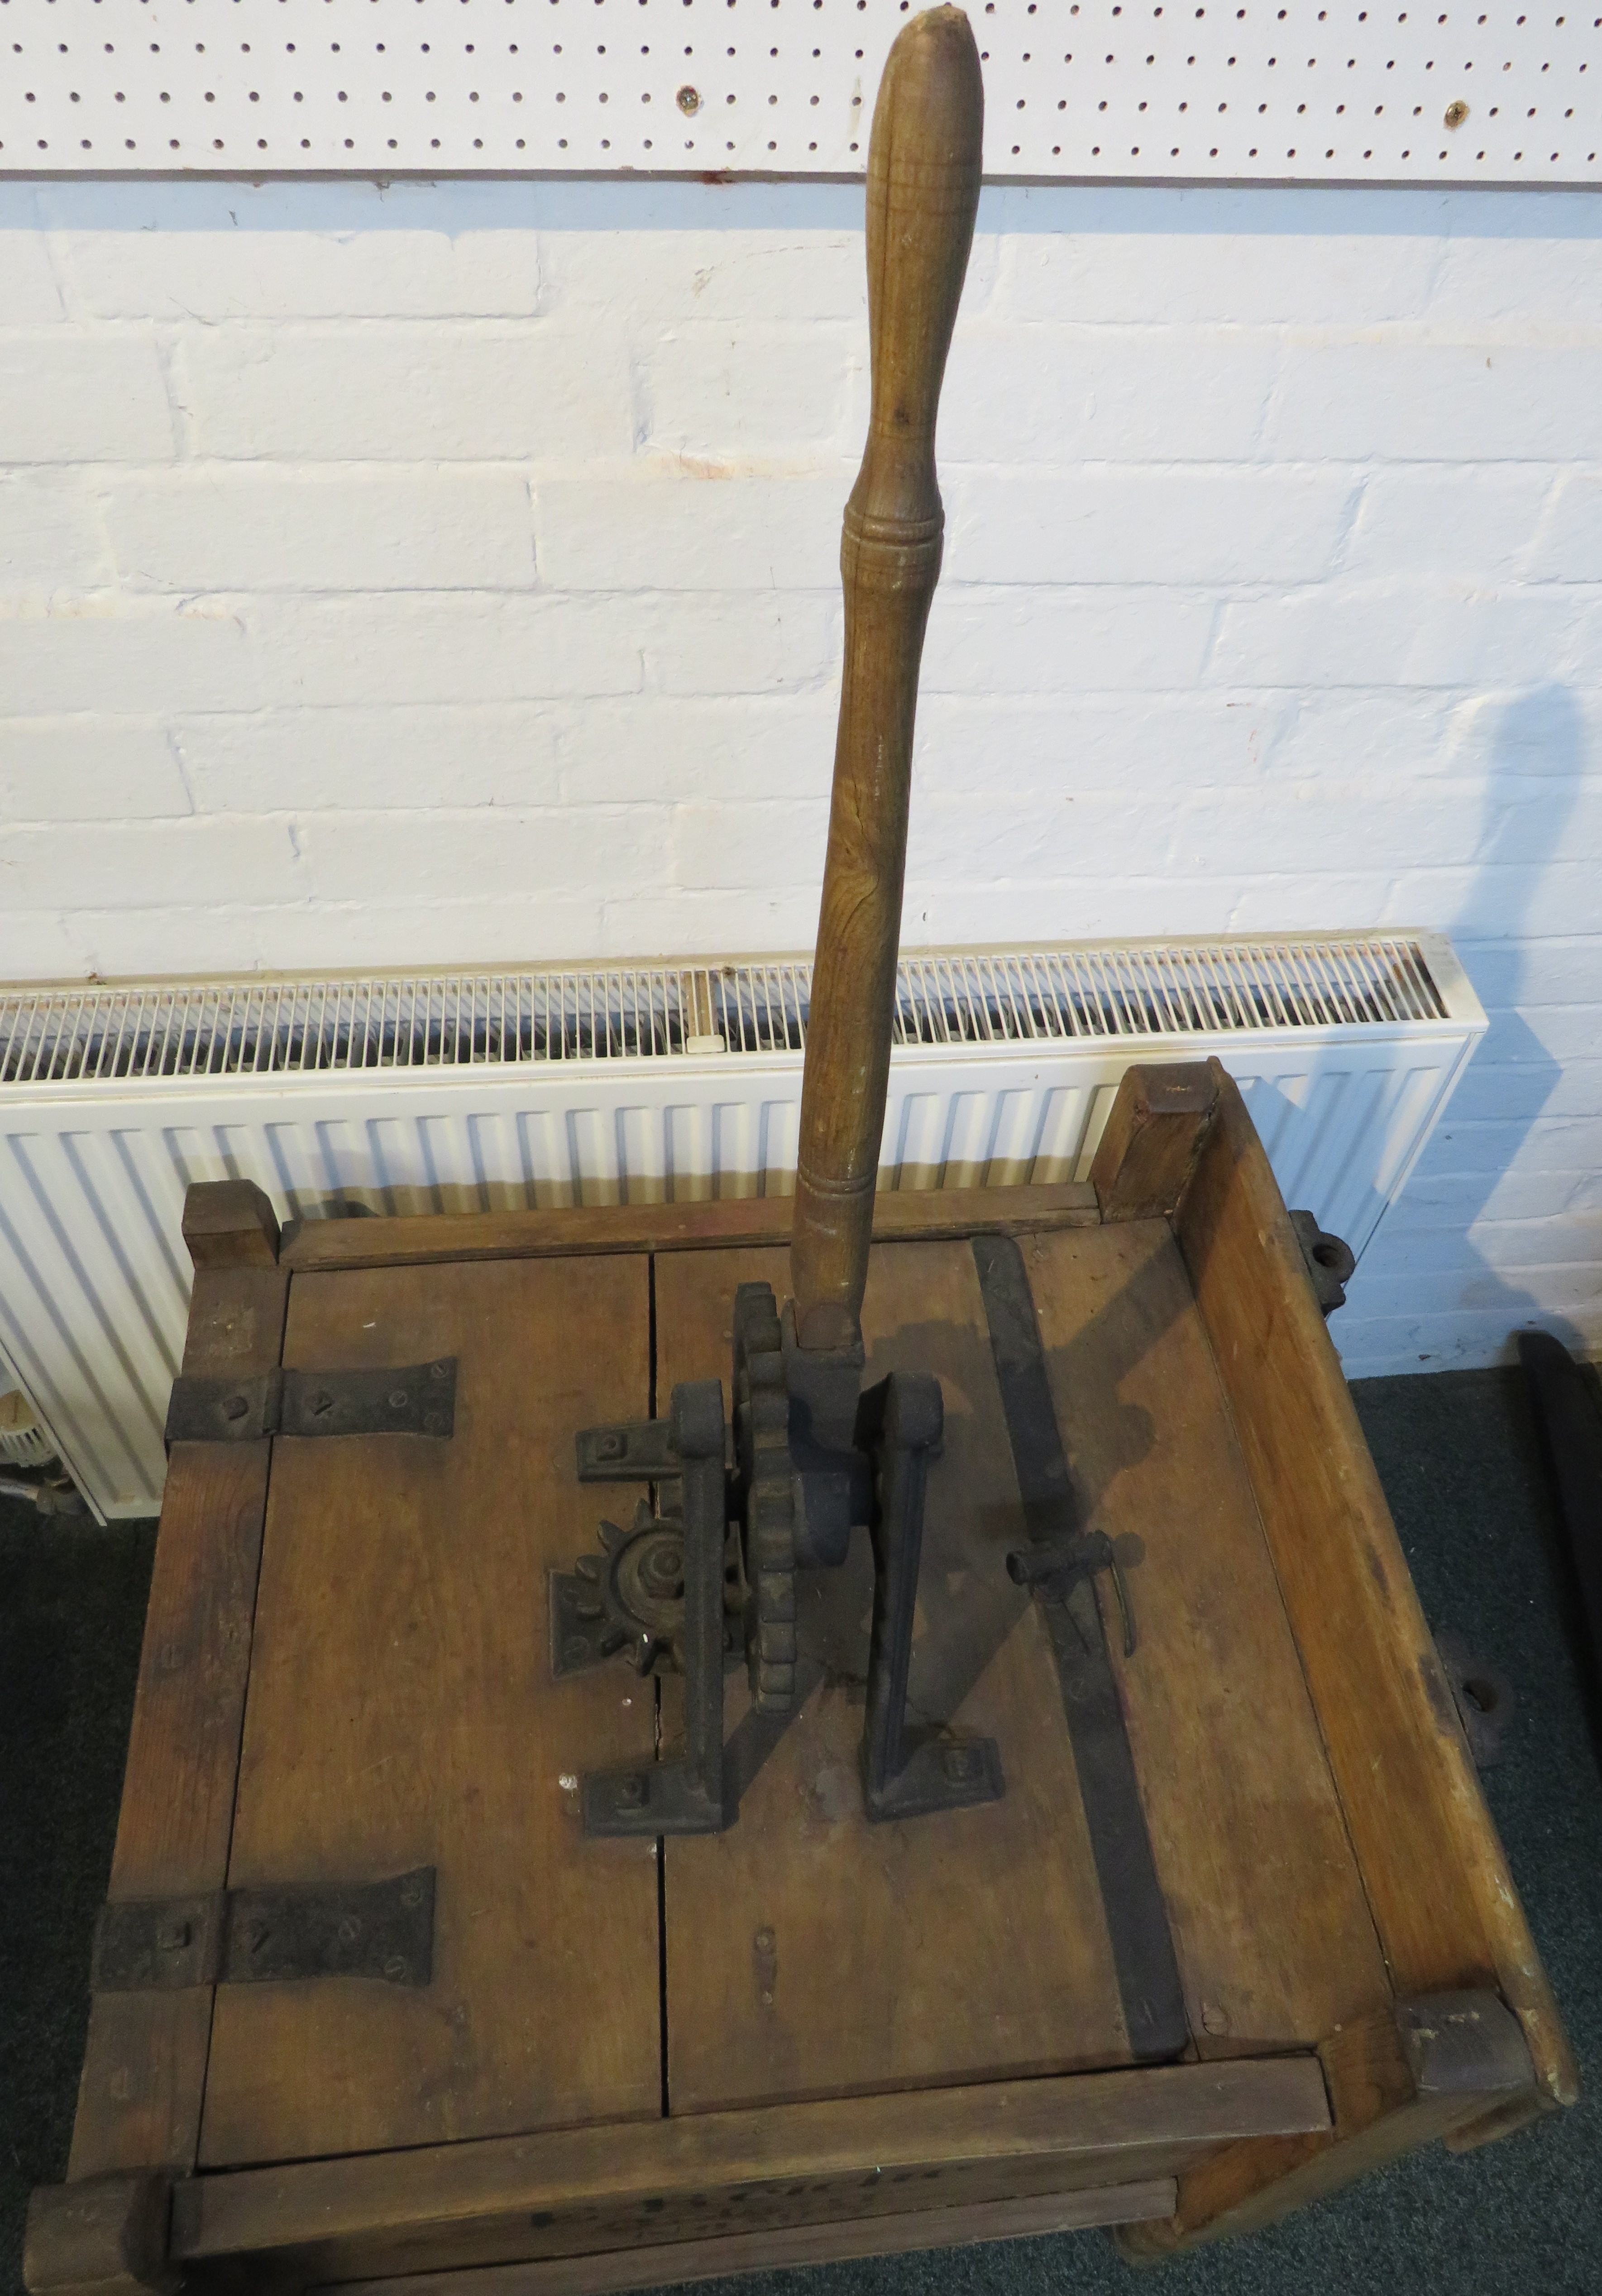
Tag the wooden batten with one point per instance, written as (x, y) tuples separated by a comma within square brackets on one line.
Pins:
[(584, 1229), (144, 2066), (678, 2261), (645, 2181)]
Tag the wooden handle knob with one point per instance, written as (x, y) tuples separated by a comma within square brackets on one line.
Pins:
[(924, 161)]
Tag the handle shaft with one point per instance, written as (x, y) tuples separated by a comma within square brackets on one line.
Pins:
[(923, 188)]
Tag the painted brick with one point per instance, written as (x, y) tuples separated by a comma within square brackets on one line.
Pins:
[(1456, 1201), (770, 251), (1164, 750), (1470, 524), (771, 642), (1092, 253), (51, 538), (32, 298), (142, 865), (722, 752), (718, 532), (425, 648), (200, 253), (1436, 402), (708, 924), (1565, 1144), (1535, 971), (440, 856), (754, 847), (390, 391), (1517, 263), (1053, 394), (71, 396), (404, 758), (1568, 546), (731, 388), (91, 769), (1141, 525), (1389, 633), (1528, 1089), (1012, 641), (159, 655), (1512, 1245), (270, 529)]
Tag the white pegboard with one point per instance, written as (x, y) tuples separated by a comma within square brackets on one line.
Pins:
[(1096, 89)]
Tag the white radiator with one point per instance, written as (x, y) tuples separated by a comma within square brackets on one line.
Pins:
[(545, 1088)]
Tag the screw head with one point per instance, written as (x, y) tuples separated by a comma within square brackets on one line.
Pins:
[(321, 1403), (957, 1763), (350, 1929), (395, 1969), (235, 1408), (610, 1445), (439, 1371), (630, 1793), (1456, 114), (688, 100), (398, 1398), (173, 1937)]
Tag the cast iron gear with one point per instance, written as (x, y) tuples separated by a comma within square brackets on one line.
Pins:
[(768, 1509)]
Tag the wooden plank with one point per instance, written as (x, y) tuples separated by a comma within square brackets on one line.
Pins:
[(1407, 2075), (1274, 1938), (321, 2211), (711, 1225), (908, 2232), (402, 1713), (144, 2064), (1443, 1899), (968, 1945), (1153, 1136)]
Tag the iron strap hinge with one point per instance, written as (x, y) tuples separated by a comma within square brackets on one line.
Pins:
[(405, 1400), (381, 1930)]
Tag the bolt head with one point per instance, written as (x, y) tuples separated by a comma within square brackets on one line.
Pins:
[(631, 1792), (235, 1408)]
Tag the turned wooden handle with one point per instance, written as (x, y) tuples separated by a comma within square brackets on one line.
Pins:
[(923, 188)]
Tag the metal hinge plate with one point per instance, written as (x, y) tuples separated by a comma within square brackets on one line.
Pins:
[(406, 1399), (381, 1930)]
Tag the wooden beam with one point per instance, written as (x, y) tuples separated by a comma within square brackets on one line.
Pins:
[(797, 2244), (1154, 1136), (1101, 2119), (899, 1215), (1437, 1882), (144, 2066)]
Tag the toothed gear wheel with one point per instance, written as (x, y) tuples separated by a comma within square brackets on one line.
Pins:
[(762, 1434)]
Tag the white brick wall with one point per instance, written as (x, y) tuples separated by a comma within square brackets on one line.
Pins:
[(448, 573)]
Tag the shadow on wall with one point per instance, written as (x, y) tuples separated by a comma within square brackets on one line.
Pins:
[(1536, 753)]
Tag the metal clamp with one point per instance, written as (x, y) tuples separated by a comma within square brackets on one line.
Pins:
[(1055, 1567)]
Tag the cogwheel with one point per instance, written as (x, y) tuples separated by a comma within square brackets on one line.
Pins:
[(762, 1433)]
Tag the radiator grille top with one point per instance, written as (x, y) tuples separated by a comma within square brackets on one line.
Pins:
[(288, 1026)]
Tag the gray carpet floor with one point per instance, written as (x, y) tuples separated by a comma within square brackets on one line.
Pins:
[(1459, 1459)]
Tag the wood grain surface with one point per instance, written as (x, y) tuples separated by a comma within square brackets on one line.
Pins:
[(908, 2232), (402, 1713), (1443, 1899), (1273, 1933), (961, 1945), (144, 2062), (709, 1226), (569, 2191), (924, 158)]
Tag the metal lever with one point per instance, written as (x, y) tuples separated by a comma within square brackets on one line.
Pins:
[(899, 1424), (1057, 1566)]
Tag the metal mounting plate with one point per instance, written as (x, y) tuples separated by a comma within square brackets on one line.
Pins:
[(381, 1930), (397, 1400)]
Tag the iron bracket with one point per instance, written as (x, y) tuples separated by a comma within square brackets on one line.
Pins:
[(379, 1929), (404, 1400), (1330, 1261)]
